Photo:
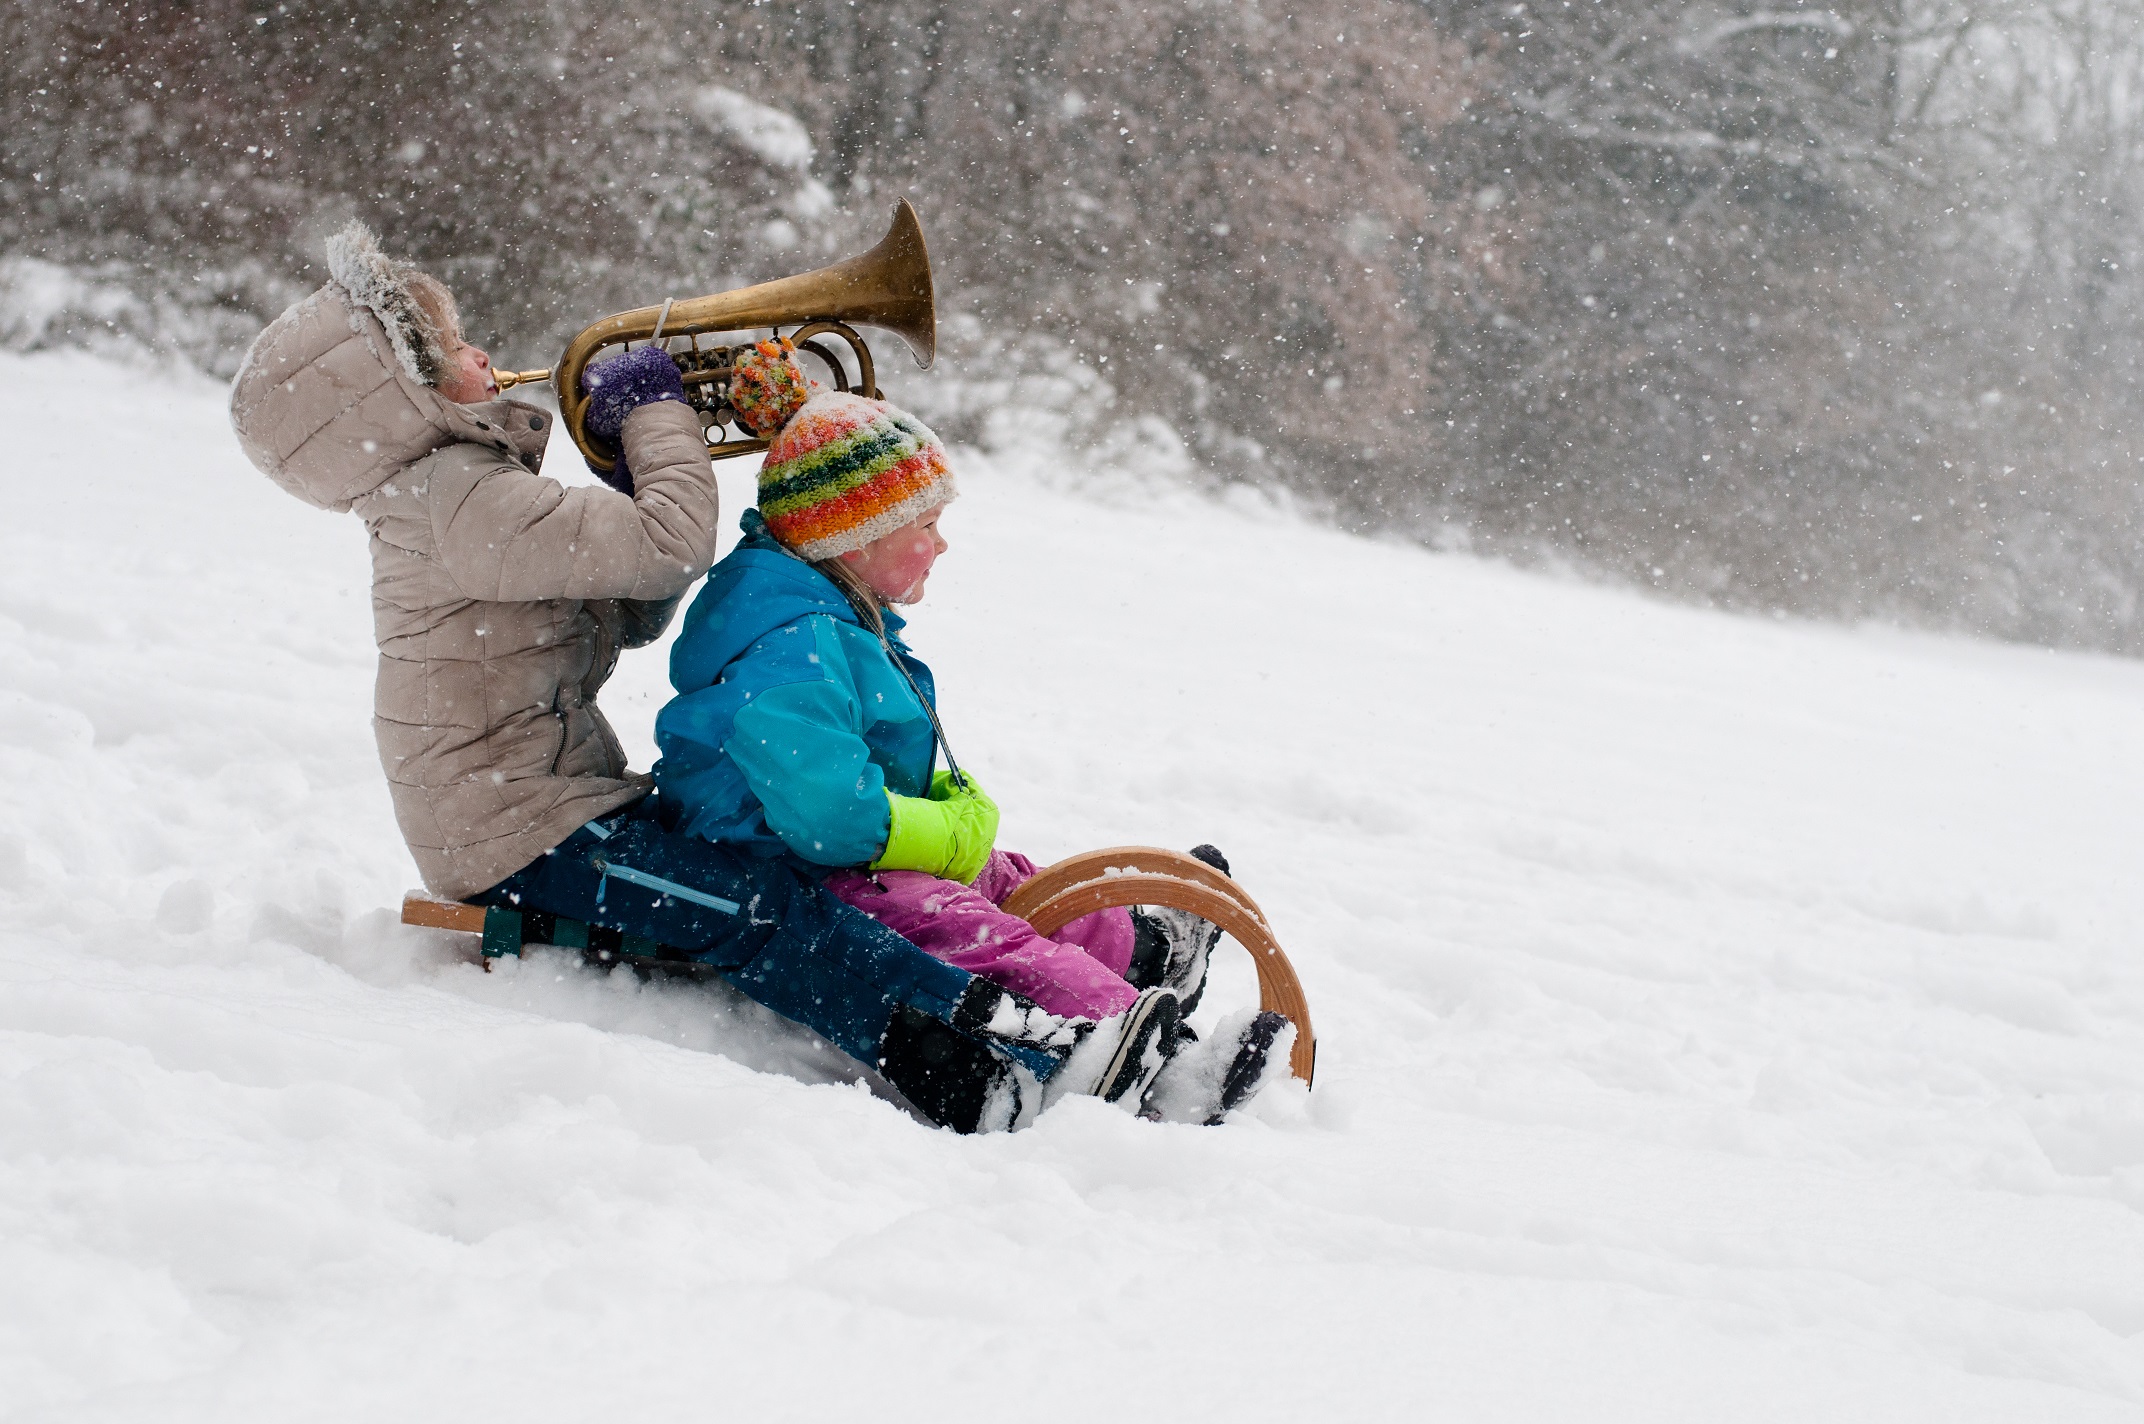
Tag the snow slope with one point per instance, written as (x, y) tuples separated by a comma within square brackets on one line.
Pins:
[(1720, 1019)]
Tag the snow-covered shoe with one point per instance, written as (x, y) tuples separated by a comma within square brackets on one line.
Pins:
[(1204, 1084), (1117, 1058), (953, 1080), (1170, 948), (1255, 1061), (1015, 1024)]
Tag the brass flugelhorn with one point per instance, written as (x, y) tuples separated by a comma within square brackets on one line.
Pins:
[(888, 287)]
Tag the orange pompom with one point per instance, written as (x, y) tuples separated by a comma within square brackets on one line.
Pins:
[(767, 386)]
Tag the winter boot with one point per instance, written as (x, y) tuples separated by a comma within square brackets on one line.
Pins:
[(1254, 1061), (1205, 1083), (1117, 1059), (954, 1081), (984, 1071), (1015, 1025), (1170, 947)]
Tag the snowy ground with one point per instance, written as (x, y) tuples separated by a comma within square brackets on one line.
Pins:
[(1720, 1019)]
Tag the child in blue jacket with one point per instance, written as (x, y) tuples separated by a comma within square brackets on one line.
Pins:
[(803, 726)]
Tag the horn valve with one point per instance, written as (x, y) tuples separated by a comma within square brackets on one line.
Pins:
[(888, 287)]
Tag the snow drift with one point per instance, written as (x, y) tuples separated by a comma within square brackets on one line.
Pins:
[(1719, 1019)]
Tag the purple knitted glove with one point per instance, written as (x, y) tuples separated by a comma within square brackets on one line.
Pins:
[(618, 387), (623, 384)]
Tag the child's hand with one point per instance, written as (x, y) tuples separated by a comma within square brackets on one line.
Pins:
[(620, 385), (949, 835), (617, 387), (945, 788)]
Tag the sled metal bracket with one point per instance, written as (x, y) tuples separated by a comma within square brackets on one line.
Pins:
[(502, 932)]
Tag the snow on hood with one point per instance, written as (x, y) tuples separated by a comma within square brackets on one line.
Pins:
[(325, 405), (380, 285)]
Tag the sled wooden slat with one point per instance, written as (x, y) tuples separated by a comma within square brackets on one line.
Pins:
[(441, 914), (1278, 987), (1073, 870)]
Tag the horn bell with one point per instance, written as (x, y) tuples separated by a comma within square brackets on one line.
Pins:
[(888, 287)]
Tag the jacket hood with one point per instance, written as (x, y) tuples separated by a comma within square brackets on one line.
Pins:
[(758, 588), (326, 402), (381, 285)]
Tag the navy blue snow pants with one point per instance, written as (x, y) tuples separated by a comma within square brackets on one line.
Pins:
[(777, 936)]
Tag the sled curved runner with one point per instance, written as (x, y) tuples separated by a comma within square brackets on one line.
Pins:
[(1148, 875), (1050, 900)]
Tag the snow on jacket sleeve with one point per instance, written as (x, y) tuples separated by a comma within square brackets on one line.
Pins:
[(801, 749), (505, 535)]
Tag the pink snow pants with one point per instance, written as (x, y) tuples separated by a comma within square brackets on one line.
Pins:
[(1079, 974)]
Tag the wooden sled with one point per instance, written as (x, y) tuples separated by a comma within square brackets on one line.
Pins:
[(1056, 896), (1148, 875)]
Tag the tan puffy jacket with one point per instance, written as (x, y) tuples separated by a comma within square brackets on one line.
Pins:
[(500, 598)]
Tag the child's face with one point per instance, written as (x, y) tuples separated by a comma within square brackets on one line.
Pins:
[(896, 566), (468, 377)]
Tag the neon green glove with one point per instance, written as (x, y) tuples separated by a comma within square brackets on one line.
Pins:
[(949, 835)]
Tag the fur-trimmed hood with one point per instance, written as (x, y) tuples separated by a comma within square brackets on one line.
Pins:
[(381, 285), (329, 402)]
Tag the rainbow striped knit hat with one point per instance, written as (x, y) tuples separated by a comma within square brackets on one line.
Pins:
[(843, 470)]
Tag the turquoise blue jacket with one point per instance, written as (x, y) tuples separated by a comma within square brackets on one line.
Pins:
[(791, 721)]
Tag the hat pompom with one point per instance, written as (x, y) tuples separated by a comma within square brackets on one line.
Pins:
[(767, 386)]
